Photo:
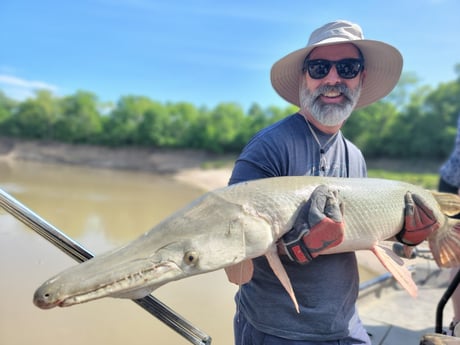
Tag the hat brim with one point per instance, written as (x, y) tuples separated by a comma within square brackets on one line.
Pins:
[(383, 64)]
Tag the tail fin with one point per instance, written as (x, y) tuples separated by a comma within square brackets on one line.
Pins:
[(449, 202), (445, 244)]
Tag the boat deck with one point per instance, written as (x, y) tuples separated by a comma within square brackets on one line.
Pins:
[(392, 317)]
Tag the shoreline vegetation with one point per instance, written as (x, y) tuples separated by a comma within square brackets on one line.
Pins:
[(197, 168)]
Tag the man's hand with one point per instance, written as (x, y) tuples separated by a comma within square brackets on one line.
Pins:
[(419, 221), (318, 226)]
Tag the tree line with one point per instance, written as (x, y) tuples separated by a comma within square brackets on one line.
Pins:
[(413, 121)]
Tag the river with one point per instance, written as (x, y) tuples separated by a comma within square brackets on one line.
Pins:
[(100, 209)]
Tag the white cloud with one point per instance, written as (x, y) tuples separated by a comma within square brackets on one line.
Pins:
[(26, 84), (21, 89)]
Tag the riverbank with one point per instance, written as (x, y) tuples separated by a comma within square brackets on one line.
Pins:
[(201, 169), (197, 168)]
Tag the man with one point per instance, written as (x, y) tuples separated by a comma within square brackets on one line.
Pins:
[(336, 73)]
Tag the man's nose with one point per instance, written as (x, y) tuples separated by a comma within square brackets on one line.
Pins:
[(333, 77)]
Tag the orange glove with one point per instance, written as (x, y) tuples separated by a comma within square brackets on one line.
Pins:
[(419, 221), (318, 226)]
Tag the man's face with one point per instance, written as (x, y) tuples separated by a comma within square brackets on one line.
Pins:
[(331, 99)]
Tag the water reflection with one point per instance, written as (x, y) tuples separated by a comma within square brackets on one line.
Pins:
[(100, 209), (122, 204)]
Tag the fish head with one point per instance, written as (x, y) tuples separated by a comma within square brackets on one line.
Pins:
[(210, 233)]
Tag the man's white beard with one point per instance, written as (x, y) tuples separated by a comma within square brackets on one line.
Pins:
[(329, 114)]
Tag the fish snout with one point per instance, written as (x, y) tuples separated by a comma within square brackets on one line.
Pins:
[(44, 299)]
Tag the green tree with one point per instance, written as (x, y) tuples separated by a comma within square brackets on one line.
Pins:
[(369, 128), (34, 118), (152, 128), (121, 128), (79, 120), (222, 128), (181, 125), (254, 120), (437, 126), (7, 106)]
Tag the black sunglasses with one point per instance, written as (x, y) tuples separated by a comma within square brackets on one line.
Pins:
[(346, 68)]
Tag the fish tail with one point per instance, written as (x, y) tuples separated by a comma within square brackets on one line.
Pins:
[(445, 244)]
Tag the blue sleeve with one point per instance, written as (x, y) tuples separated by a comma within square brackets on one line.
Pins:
[(259, 159)]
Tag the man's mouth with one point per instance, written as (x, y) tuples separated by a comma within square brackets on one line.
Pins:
[(332, 94)]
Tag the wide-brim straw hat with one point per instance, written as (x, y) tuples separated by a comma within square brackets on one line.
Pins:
[(382, 62)]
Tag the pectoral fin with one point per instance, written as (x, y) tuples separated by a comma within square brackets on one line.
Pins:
[(395, 265), (277, 267), (241, 273)]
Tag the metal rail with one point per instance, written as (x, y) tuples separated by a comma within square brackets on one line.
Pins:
[(375, 281), (455, 282), (80, 254)]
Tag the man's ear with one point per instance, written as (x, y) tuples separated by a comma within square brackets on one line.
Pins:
[(363, 76)]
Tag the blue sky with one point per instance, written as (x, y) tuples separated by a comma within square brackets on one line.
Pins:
[(201, 51)]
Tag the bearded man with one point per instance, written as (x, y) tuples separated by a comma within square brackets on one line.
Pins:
[(338, 71)]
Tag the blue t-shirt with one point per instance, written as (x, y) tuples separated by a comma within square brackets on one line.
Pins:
[(327, 287)]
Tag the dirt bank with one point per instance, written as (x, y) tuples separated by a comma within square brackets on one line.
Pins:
[(185, 165), (191, 166)]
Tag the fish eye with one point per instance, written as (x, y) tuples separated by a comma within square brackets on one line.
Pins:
[(191, 257)]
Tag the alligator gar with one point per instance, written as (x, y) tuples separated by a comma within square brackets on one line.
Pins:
[(227, 227)]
